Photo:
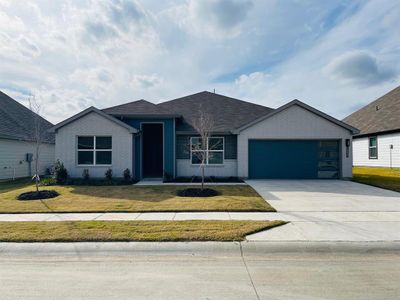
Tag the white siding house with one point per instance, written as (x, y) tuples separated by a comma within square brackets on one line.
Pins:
[(387, 151), (13, 163), (378, 142), (17, 140)]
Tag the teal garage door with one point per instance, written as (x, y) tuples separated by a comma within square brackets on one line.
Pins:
[(293, 159)]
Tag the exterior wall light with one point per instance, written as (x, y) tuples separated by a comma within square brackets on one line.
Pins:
[(347, 147)]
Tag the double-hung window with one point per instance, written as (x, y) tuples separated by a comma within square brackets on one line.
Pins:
[(373, 148), (94, 150), (212, 151)]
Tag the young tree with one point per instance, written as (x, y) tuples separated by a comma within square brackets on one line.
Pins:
[(204, 125), (38, 132)]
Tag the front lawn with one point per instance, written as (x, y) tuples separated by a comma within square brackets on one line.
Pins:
[(132, 199), (10, 185), (381, 177), (96, 231)]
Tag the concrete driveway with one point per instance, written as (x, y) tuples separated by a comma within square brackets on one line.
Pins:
[(330, 210)]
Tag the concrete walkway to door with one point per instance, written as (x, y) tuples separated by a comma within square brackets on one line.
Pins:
[(330, 210)]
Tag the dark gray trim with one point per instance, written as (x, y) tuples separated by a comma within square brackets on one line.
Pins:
[(146, 116), (302, 105), (87, 111), (196, 133), (376, 133)]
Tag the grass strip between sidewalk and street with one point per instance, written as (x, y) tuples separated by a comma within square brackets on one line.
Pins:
[(112, 231)]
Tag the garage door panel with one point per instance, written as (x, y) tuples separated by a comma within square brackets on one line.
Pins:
[(293, 159)]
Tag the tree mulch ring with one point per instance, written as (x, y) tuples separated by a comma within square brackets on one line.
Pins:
[(45, 194), (197, 192)]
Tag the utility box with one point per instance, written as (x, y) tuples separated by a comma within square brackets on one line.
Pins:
[(28, 157)]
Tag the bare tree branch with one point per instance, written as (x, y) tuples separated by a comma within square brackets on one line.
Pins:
[(38, 133), (203, 125)]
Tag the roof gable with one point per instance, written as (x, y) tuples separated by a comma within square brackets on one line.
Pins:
[(97, 111), (17, 121), (380, 115), (304, 106)]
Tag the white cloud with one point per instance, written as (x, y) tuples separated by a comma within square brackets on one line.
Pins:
[(145, 81), (72, 54), (218, 17)]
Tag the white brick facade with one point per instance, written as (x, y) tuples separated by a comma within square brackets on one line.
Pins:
[(298, 123), (94, 124)]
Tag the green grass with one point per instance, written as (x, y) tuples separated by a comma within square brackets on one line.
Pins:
[(381, 177), (131, 199), (92, 231)]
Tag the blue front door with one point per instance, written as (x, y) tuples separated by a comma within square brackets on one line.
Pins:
[(293, 159)]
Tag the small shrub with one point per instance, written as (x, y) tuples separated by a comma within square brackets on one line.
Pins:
[(85, 174), (97, 182), (109, 174), (60, 171), (48, 181), (127, 174)]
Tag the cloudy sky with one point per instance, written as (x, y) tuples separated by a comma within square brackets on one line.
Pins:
[(334, 55)]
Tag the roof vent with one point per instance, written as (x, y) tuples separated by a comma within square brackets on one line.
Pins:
[(377, 108)]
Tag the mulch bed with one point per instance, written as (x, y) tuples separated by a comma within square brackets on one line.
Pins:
[(45, 194), (197, 192)]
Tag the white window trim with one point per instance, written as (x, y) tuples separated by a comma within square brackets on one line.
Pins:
[(94, 150), (207, 151), (372, 147)]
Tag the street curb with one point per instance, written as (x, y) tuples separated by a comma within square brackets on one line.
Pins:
[(246, 249), (301, 247)]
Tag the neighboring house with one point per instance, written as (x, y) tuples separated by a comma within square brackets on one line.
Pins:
[(378, 143), (250, 140), (16, 140)]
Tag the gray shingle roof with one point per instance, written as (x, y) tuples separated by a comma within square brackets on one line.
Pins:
[(227, 113), (16, 121), (381, 115), (137, 108)]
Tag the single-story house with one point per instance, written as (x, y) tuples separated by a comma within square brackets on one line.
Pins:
[(248, 140), (17, 144), (378, 142)]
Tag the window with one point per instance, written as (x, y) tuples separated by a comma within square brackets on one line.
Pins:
[(212, 152), (94, 150), (373, 147)]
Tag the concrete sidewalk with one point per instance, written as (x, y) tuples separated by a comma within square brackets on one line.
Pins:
[(140, 216), (304, 226)]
